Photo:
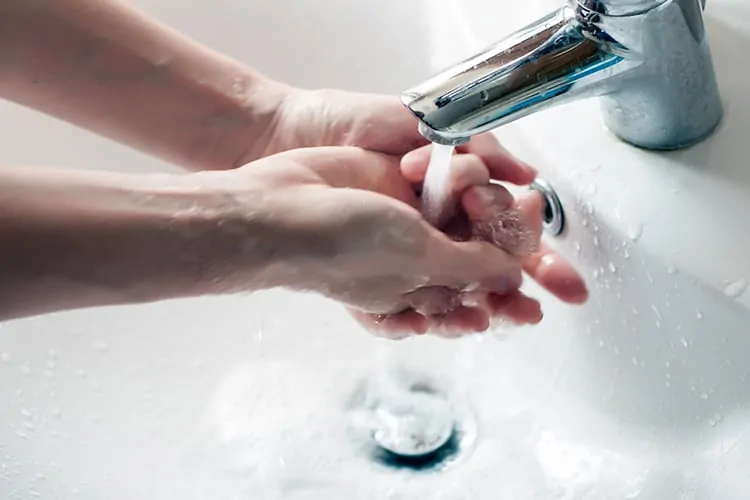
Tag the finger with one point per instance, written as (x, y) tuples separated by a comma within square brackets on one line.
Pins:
[(457, 264), (502, 165), (392, 326), (414, 164), (461, 321), (481, 203), (441, 207), (515, 307), (434, 300), (556, 275), (467, 171), (517, 230), (530, 207)]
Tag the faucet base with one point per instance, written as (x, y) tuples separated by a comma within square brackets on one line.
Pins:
[(672, 101)]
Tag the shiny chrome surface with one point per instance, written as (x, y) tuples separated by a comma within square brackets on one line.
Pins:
[(648, 60)]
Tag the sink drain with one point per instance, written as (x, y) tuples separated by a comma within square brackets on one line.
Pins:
[(407, 423)]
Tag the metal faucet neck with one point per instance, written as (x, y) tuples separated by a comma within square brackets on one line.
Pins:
[(652, 70)]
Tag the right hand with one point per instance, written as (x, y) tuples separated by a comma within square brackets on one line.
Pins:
[(352, 232)]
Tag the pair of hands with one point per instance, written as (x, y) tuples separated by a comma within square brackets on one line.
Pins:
[(349, 168)]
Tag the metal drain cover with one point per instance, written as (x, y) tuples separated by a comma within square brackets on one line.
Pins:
[(406, 423), (412, 423)]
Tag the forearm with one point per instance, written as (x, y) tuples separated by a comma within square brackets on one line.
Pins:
[(80, 239), (109, 68)]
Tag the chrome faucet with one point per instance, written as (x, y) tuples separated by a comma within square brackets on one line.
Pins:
[(648, 60)]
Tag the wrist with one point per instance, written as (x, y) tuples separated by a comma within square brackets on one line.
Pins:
[(247, 125)]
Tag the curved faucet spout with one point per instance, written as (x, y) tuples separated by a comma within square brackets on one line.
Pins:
[(654, 95)]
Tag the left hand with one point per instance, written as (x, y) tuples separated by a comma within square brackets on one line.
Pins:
[(383, 124)]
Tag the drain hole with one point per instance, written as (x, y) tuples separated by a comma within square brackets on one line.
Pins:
[(407, 422), (420, 463)]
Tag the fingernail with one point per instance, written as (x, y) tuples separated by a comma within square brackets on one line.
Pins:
[(485, 194), (494, 202)]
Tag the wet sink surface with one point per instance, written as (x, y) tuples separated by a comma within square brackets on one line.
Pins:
[(642, 393)]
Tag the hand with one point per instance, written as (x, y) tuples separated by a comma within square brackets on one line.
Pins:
[(488, 213), (381, 123), (312, 118), (350, 230)]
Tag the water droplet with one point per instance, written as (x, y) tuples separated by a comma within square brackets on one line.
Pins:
[(612, 267), (596, 241), (684, 342), (704, 395), (626, 253), (26, 413), (735, 289), (635, 232), (56, 412), (699, 315), (715, 420), (656, 311), (5, 357), (635, 360), (666, 363), (672, 270)]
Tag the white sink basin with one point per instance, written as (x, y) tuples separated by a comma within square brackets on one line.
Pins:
[(642, 393)]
